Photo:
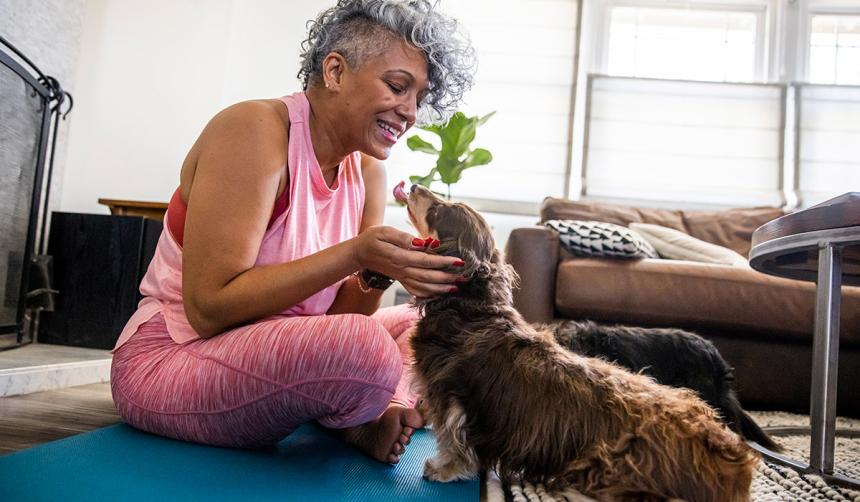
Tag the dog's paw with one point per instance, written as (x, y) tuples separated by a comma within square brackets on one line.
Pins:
[(447, 472)]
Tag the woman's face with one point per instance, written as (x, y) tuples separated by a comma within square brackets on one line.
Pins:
[(382, 98)]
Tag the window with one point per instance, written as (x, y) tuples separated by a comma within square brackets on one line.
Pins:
[(834, 49), (828, 136), (692, 44), (704, 142)]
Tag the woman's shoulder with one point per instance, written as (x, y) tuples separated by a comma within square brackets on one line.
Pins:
[(256, 114), (255, 124)]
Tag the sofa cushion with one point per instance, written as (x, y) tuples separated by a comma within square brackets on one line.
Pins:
[(677, 245), (597, 238), (563, 209), (731, 228), (696, 295)]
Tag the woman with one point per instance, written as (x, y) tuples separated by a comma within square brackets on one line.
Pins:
[(259, 309)]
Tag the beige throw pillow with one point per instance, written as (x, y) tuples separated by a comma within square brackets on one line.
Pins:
[(677, 245)]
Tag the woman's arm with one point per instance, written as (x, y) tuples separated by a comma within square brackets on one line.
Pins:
[(350, 297), (241, 156), (240, 160)]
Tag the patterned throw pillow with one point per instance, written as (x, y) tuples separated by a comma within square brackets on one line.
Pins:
[(596, 238)]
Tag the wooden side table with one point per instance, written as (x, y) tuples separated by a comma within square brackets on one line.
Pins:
[(820, 244), (151, 210)]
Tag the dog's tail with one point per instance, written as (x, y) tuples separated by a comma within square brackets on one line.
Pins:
[(742, 423)]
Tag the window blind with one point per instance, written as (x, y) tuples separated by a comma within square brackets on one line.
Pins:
[(526, 56), (684, 141), (828, 139)]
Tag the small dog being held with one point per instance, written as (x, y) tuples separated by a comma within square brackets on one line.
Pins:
[(672, 357), (501, 394)]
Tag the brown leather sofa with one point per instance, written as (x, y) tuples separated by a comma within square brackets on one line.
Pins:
[(761, 324)]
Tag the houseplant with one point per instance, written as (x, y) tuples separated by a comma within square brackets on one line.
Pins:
[(455, 154)]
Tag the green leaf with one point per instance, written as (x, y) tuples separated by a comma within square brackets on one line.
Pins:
[(478, 157), (485, 118), (424, 181), (450, 134), (460, 131), (434, 128), (446, 166), (416, 144)]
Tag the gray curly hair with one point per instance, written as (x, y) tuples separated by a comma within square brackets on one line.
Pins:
[(357, 29)]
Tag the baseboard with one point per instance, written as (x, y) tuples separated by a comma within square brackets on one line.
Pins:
[(16, 381)]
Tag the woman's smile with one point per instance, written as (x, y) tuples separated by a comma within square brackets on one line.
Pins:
[(389, 132)]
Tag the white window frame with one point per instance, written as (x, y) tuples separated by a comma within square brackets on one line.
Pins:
[(768, 33), (808, 9)]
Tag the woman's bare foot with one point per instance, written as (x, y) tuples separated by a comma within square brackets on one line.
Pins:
[(385, 438)]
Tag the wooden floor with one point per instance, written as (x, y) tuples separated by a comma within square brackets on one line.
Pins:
[(37, 418)]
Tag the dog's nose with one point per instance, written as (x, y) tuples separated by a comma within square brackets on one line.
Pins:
[(412, 188)]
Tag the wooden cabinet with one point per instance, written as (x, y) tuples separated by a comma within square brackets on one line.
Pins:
[(99, 261)]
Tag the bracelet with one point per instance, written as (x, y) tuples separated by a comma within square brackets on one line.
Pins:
[(373, 280)]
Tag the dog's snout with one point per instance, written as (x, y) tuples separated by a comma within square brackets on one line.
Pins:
[(412, 188)]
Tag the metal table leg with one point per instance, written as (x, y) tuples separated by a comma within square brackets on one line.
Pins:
[(825, 365), (825, 358)]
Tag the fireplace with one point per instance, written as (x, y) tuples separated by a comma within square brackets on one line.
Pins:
[(31, 105)]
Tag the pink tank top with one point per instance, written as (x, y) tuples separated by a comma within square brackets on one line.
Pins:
[(317, 217)]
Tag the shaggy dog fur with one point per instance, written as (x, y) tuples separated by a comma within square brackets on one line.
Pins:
[(671, 357), (501, 394)]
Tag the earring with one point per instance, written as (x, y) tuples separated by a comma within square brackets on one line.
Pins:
[(326, 85)]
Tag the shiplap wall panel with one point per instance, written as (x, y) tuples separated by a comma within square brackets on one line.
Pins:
[(521, 184), (829, 163), (702, 142), (534, 13), (525, 74), (549, 99)]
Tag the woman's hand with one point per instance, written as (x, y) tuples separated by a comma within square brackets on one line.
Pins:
[(401, 256)]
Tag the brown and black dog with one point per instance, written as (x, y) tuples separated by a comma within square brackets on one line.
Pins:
[(501, 394), (670, 356)]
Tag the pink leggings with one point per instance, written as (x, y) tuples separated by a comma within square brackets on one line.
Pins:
[(254, 385)]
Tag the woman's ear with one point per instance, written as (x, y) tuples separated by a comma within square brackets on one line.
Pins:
[(333, 68)]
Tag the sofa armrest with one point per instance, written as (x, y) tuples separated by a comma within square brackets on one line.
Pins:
[(533, 252)]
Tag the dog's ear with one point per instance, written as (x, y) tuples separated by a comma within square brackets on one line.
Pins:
[(503, 271), (474, 267), (466, 235)]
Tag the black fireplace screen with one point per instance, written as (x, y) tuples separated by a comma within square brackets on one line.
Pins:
[(29, 101)]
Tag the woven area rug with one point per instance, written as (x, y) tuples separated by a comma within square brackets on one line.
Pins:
[(772, 482)]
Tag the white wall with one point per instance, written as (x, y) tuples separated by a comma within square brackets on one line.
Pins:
[(153, 73), (150, 76)]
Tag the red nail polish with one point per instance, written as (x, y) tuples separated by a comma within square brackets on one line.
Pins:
[(459, 263), (417, 242), (428, 241), (454, 289), (435, 244)]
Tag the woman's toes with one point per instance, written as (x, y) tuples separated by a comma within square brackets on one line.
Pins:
[(393, 459), (404, 439), (412, 419), (407, 431)]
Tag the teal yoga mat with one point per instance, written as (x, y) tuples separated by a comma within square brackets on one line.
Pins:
[(122, 463)]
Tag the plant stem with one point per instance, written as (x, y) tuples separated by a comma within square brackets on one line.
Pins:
[(449, 190)]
